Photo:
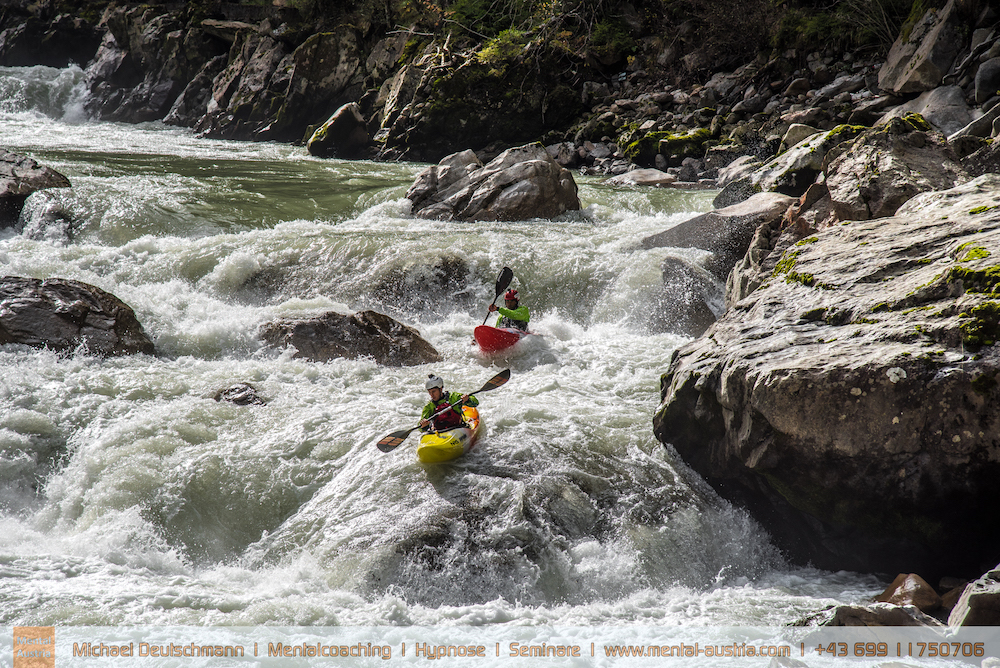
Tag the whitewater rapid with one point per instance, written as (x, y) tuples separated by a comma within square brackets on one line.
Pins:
[(129, 496)]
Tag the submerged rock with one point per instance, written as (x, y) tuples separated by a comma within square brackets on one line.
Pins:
[(241, 394), (64, 314), (364, 334), (845, 402)]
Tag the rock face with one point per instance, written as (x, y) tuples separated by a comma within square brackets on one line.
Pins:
[(790, 173), (19, 177), (918, 62), (519, 184), (62, 314), (363, 334), (845, 402), (887, 165)]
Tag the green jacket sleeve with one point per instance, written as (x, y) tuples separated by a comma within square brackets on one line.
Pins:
[(519, 313)]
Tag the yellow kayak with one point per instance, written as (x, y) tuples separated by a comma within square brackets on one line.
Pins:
[(440, 446)]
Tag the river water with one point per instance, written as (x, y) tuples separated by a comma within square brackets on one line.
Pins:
[(128, 496)]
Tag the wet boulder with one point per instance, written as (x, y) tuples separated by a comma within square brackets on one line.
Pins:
[(725, 232), (684, 306), (344, 135), (63, 314), (643, 177), (19, 177), (979, 604), (436, 284), (846, 401), (334, 335), (519, 184), (241, 394)]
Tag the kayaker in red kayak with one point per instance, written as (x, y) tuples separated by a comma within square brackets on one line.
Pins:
[(451, 417), (513, 315)]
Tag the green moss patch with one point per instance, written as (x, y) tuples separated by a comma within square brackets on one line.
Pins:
[(986, 280), (916, 122), (983, 325), (972, 253), (984, 383)]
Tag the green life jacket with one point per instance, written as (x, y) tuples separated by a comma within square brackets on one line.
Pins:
[(516, 318)]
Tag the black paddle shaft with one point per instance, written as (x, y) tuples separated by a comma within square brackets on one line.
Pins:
[(396, 438), (503, 280)]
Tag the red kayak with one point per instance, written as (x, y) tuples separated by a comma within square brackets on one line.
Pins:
[(493, 339)]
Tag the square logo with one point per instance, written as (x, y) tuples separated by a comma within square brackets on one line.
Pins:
[(34, 647)]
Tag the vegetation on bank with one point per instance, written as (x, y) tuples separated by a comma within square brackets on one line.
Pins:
[(601, 33)]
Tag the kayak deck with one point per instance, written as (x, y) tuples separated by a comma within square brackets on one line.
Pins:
[(442, 446), (495, 339)]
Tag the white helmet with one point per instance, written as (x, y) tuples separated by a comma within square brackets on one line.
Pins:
[(433, 381)]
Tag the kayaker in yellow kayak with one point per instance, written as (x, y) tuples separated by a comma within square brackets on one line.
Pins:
[(513, 315), (451, 402)]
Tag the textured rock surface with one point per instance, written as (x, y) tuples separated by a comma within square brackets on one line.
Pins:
[(363, 334), (846, 401), (887, 165), (62, 314)]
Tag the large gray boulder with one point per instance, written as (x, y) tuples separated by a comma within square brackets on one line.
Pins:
[(63, 314), (887, 165), (364, 334), (846, 402), (20, 176), (725, 232), (519, 184), (919, 59)]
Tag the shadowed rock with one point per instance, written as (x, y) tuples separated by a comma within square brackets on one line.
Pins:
[(63, 314), (364, 334), (19, 177), (345, 135)]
